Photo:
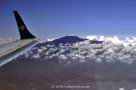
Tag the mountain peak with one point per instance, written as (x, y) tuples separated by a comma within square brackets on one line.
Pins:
[(67, 39)]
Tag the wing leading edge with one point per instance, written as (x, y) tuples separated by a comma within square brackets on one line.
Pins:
[(11, 50)]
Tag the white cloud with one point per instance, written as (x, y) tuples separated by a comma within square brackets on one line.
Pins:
[(5, 40), (50, 39), (63, 57), (36, 56), (112, 49), (26, 54)]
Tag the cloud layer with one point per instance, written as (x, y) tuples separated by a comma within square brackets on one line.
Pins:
[(6, 40), (112, 49)]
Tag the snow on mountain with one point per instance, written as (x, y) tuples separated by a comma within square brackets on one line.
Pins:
[(72, 48)]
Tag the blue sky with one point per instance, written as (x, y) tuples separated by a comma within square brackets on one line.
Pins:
[(57, 18)]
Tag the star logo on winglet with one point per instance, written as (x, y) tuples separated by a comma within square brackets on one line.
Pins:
[(22, 27)]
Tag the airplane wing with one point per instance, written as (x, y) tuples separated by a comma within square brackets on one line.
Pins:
[(10, 51)]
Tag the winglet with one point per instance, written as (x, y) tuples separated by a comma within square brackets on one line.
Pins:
[(24, 33)]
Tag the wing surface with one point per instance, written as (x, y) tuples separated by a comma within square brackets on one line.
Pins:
[(11, 50)]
